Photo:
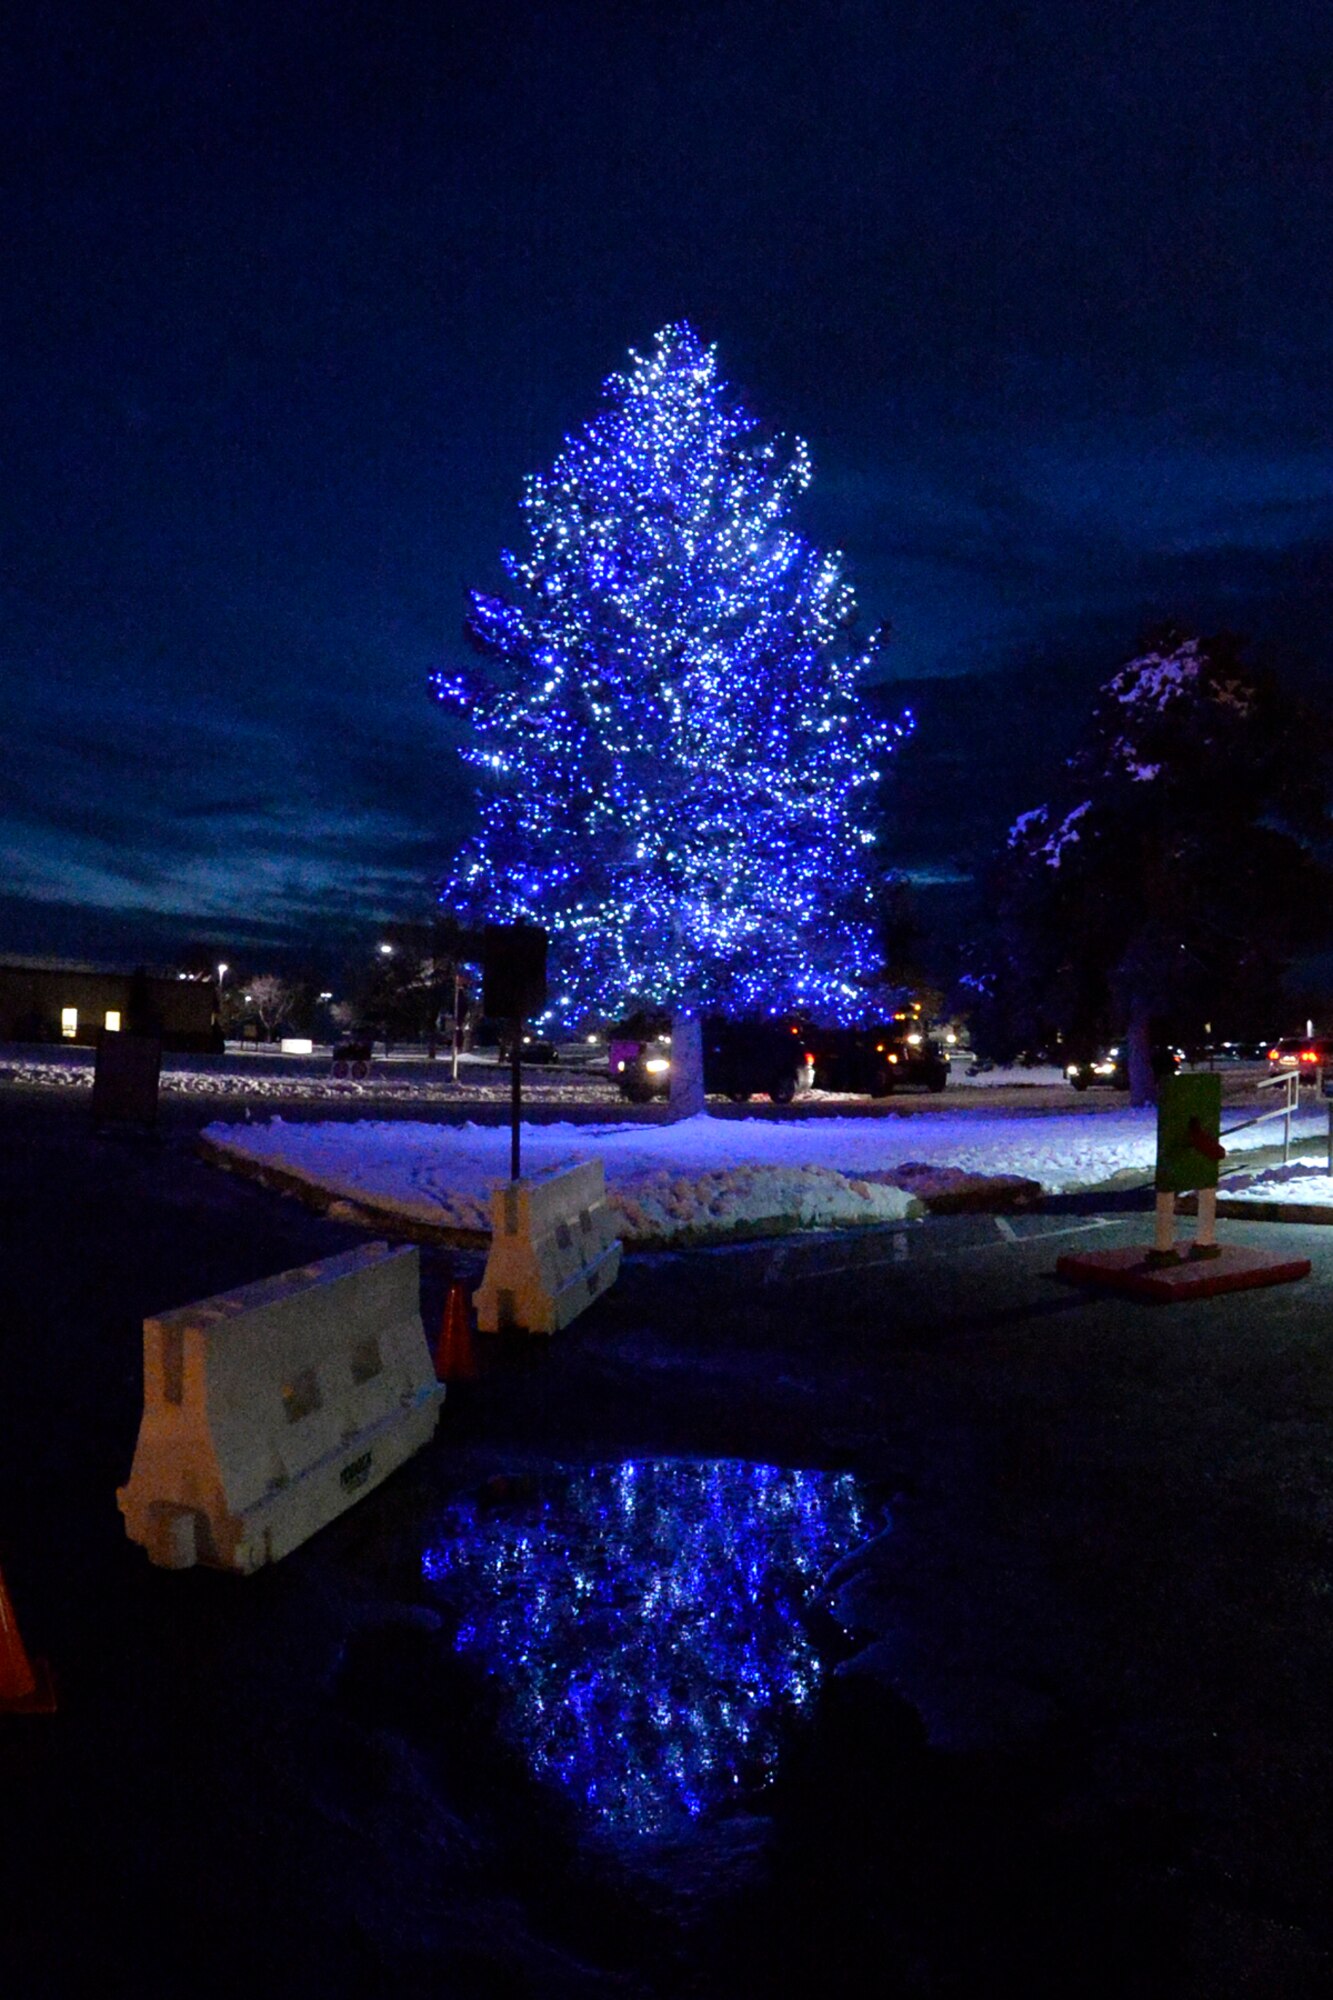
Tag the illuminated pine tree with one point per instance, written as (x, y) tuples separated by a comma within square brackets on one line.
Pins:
[(676, 773)]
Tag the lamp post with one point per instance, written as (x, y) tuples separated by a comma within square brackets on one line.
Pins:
[(386, 952)]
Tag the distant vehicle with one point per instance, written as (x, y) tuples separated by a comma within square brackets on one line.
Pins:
[(877, 1060), (1111, 1067), (1210, 1054), (533, 1049), (745, 1059), (638, 1055), (742, 1059), (352, 1059), (1306, 1054)]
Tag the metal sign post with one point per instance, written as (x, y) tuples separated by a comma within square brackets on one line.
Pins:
[(515, 1096), (513, 984)]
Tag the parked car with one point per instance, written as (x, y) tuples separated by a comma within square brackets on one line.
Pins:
[(534, 1049), (742, 1059), (352, 1058), (1110, 1067), (877, 1060), (1306, 1054)]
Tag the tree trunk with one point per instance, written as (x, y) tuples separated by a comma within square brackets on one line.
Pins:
[(687, 1066), (1142, 1082)]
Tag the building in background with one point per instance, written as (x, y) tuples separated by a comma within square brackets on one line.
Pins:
[(53, 1000)]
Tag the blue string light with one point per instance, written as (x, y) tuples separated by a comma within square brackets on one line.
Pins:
[(675, 772), (646, 1620)]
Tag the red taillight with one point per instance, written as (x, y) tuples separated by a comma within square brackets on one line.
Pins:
[(1272, 1055), (1309, 1055), (808, 1057)]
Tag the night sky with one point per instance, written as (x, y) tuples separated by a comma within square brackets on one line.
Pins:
[(296, 294)]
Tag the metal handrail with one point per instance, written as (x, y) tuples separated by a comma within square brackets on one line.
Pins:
[(1290, 1081)]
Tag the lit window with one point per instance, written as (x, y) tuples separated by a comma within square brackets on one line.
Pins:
[(69, 1022), (112, 1022)]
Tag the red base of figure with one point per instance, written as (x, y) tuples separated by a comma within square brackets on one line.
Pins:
[(1128, 1270)]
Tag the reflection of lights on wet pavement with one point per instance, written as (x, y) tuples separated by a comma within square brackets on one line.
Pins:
[(646, 1620)]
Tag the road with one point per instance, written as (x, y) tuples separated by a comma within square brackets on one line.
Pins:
[(1077, 1740)]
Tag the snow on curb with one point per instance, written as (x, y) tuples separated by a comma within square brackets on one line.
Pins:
[(303, 1085), (1294, 1193), (702, 1179), (666, 1208), (401, 1176)]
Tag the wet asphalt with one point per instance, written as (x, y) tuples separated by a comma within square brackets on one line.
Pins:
[(1073, 1736)]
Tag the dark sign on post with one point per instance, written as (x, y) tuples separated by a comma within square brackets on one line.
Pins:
[(513, 971), (513, 989), (125, 1079)]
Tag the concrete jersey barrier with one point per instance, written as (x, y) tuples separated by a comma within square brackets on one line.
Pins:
[(554, 1249), (269, 1410)]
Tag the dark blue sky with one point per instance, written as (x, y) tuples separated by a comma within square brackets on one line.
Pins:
[(297, 293)]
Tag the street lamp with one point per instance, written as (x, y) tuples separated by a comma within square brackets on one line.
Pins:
[(386, 951)]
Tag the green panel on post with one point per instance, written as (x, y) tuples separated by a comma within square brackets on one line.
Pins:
[(1189, 1123)]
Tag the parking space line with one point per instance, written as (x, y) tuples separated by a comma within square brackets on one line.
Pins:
[(862, 1264), (900, 1252), (1019, 1239), (1072, 1229)]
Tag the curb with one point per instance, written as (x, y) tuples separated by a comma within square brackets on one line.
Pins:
[(1268, 1211), (365, 1212), (356, 1209), (1237, 1209)]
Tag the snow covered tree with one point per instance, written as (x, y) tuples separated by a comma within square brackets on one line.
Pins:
[(273, 999), (1173, 877), (676, 772)]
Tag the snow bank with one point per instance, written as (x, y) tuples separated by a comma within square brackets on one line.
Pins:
[(1307, 1186), (675, 1207), (1045, 1076), (703, 1176), (441, 1177), (260, 1077)]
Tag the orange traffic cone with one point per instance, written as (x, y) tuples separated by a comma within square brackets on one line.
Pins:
[(25, 1689), (455, 1355)]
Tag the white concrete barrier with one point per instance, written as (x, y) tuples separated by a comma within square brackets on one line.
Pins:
[(554, 1249), (269, 1410)]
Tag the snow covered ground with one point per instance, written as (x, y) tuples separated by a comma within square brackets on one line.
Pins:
[(668, 1182), (287, 1079), (706, 1175), (1309, 1186), (1002, 1077)]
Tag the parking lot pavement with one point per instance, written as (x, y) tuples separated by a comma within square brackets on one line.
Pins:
[(1077, 1740)]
